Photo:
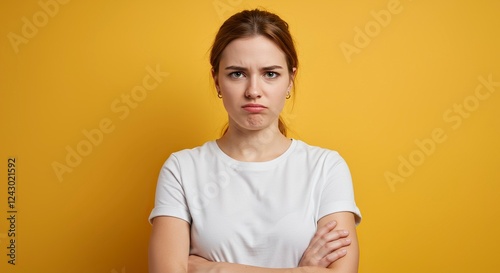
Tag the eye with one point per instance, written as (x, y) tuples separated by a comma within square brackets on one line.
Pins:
[(236, 75), (271, 75)]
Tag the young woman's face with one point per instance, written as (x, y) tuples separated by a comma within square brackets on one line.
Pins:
[(254, 81)]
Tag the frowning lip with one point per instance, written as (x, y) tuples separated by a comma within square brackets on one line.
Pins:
[(253, 107)]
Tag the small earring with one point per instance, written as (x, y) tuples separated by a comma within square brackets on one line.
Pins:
[(288, 95), (219, 95)]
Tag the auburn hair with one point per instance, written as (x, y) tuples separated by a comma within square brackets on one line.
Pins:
[(250, 23)]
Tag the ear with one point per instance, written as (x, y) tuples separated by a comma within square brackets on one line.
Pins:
[(294, 72), (216, 79), (292, 78)]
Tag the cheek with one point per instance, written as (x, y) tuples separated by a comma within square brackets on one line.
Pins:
[(229, 100), (280, 90), (278, 98), (232, 87)]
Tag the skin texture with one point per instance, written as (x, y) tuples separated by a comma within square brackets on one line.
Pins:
[(254, 70), (169, 238)]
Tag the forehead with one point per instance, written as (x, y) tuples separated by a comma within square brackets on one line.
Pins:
[(253, 51)]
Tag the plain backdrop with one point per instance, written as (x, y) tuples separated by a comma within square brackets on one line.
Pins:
[(95, 95)]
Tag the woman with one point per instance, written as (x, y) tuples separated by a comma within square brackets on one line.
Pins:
[(254, 200)]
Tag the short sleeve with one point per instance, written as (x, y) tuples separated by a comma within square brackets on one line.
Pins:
[(337, 194), (170, 199)]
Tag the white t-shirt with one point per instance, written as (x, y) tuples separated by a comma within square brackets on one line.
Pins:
[(255, 213)]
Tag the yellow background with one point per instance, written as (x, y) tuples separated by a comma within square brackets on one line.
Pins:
[(396, 89)]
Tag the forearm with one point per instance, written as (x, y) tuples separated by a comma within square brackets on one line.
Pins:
[(345, 264), (231, 268), (327, 249)]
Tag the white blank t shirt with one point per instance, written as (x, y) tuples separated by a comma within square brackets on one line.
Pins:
[(255, 213)]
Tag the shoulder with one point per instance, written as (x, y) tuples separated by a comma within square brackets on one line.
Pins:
[(316, 153), (189, 156), (195, 152)]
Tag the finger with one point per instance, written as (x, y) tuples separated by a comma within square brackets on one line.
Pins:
[(336, 234), (327, 238), (322, 231), (310, 252), (334, 256), (196, 258), (333, 246)]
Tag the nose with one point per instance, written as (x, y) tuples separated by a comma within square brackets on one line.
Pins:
[(253, 90)]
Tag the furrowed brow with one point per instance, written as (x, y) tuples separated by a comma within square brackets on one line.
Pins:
[(233, 67), (266, 68), (272, 67)]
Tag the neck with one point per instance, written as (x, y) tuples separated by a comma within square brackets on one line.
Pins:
[(254, 146)]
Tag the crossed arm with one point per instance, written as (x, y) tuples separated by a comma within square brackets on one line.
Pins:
[(331, 250)]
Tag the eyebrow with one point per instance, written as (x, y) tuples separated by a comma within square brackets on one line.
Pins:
[(272, 67)]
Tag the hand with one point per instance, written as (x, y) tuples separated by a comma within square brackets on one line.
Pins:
[(326, 246), (197, 264)]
